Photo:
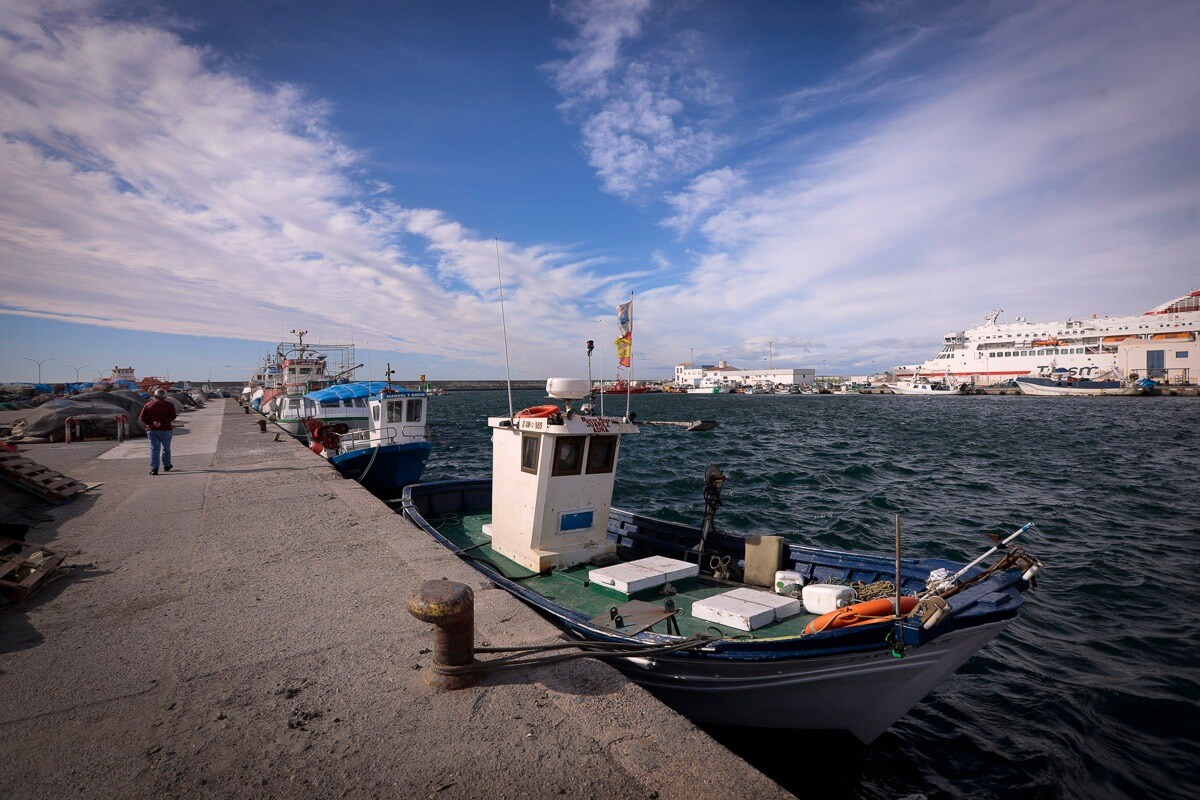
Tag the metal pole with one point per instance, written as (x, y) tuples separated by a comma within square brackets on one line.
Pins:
[(897, 566), (504, 330), (629, 383), (39, 363)]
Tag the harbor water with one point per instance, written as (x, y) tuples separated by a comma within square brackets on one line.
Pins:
[(1093, 692)]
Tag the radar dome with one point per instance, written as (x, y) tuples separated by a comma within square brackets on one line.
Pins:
[(568, 388)]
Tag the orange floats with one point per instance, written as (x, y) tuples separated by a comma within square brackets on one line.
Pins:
[(868, 613), (539, 412)]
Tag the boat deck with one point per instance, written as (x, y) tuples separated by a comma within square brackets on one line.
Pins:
[(570, 587)]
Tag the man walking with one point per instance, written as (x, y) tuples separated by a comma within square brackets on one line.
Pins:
[(157, 416)]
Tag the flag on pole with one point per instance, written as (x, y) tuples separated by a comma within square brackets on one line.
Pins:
[(624, 346), (625, 323), (625, 318)]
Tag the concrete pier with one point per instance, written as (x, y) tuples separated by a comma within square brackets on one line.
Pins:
[(237, 627)]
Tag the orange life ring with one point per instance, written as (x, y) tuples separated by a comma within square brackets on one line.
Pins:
[(539, 411), (868, 613)]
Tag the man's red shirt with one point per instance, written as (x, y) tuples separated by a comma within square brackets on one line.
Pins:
[(160, 411)]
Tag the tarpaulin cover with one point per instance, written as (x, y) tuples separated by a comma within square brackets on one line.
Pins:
[(356, 390), (49, 419)]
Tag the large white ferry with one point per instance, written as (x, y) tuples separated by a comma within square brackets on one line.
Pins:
[(993, 351)]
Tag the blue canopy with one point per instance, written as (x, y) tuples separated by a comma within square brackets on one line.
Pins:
[(353, 391)]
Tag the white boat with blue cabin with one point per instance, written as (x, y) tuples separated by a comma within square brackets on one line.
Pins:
[(389, 451)]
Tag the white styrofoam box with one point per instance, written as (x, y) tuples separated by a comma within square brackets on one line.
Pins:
[(787, 580), (673, 568), (487, 530), (783, 607), (821, 598), (626, 578), (733, 612)]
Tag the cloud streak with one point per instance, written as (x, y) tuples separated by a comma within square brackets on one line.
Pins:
[(148, 189), (1042, 165)]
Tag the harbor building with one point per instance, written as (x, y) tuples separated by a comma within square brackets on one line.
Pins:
[(722, 373), (1173, 362)]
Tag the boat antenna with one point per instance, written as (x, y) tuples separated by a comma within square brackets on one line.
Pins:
[(591, 387), (602, 376), (504, 329)]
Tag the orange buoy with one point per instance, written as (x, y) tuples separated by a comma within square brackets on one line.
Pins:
[(868, 613), (539, 411)]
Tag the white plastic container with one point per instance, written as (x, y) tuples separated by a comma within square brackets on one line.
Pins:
[(788, 581), (821, 598)]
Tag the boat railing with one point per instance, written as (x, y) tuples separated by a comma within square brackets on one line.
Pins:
[(356, 440)]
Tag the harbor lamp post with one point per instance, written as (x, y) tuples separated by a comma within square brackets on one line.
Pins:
[(39, 363), (77, 370)]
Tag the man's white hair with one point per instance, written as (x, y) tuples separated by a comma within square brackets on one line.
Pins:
[(160, 392)]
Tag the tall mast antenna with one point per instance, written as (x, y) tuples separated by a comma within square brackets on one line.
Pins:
[(504, 328)]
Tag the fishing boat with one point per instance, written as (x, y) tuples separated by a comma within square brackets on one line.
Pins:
[(621, 386), (745, 650), (386, 455), (709, 386), (1062, 384), (921, 385)]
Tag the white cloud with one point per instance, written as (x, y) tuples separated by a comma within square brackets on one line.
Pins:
[(1046, 165), (637, 130), (702, 197), (146, 189)]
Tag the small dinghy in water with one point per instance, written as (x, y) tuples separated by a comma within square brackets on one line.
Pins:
[(543, 529)]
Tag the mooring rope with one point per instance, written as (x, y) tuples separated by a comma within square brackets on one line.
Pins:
[(524, 657)]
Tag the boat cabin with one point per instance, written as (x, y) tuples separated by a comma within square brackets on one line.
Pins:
[(553, 472), (393, 417)]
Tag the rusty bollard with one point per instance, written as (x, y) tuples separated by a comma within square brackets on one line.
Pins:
[(262, 425), (450, 607)]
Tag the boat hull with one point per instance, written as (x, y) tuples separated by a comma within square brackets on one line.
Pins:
[(862, 693), (1043, 387), (709, 390), (386, 469)]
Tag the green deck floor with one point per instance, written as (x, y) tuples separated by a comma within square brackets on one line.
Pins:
[(566, 587)]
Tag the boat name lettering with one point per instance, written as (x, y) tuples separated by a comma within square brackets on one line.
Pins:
[(536, 424), (597, 424)]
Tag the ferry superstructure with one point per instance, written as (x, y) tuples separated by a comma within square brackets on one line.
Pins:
[(996, 351)]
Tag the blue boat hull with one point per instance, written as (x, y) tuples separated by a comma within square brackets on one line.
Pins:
[(394, 466)]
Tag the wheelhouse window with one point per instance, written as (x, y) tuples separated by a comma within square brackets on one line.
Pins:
[(375, 413), (395, 411), (568, 455), (529, 452), (602, 454), (414, 410)]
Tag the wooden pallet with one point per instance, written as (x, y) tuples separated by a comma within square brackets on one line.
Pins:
[(42, 481), (24, 567)]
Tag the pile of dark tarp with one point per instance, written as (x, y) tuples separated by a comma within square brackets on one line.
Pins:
[(49, 420)]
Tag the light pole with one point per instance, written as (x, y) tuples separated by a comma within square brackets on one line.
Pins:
[(39, 363), (77, 370)]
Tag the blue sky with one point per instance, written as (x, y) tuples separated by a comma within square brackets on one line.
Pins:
[(182, 182)]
